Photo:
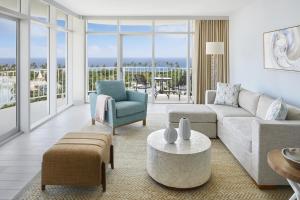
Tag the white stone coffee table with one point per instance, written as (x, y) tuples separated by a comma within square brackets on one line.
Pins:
[(182, 165)]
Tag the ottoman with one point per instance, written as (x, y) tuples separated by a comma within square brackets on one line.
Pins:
[(78, 159), (202, 118)]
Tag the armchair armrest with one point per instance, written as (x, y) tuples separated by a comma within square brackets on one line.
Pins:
[(269, 135), (210, 96), (111, 113), (93, 102), (137, 96)]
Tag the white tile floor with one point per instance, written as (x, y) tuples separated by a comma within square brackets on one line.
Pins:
[(20, 159)]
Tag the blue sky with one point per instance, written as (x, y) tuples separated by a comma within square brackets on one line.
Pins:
[(101, 46), (166, 45)]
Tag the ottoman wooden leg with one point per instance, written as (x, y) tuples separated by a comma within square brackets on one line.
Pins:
[(93, 121), (103, 176), (112, 156), (43, 187), (144, 122)]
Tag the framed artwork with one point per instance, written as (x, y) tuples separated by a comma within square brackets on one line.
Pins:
[(282, 49)]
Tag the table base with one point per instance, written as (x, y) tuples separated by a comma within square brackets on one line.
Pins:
[(296, 187)]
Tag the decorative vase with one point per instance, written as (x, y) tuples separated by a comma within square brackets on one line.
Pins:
[(185, 128), (170, 135)]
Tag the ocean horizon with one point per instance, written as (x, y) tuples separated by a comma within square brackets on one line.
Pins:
[(111, 62)]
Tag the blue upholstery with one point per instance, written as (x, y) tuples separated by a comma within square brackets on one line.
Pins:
[(125, 106), (115, 89)]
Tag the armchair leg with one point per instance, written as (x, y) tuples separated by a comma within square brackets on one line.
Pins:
[(144, 122), (112, 156), (93, 121), (114, 131)]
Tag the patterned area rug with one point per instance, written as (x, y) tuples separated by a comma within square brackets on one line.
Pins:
[(129, 179)]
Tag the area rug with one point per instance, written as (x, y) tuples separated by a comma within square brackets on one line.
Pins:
[(129, 179)]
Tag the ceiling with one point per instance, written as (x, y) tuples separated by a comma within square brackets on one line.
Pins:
[(154, 7)]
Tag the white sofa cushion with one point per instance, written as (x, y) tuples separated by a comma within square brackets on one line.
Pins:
[(277, 110), (249, 100), (241, 128), (228, 111), (195, 112), (227, 94)]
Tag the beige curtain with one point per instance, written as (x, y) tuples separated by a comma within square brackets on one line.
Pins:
[(209, 31)]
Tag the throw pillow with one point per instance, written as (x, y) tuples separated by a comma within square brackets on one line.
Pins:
[(277, 110), (227, 94)]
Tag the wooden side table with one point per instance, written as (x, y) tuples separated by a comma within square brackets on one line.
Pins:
[(284, 169)]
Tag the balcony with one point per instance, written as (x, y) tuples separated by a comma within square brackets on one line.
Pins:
[(38, 94), (169, 83)]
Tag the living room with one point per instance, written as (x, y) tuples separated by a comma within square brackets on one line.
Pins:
[(132, 99)]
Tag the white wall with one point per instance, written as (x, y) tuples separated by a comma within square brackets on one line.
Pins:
[(246, 48)]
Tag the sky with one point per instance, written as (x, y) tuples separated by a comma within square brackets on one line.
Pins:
[(100, 46)]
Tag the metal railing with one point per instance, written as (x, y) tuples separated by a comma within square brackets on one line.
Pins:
[(175, 74), (38, 86)]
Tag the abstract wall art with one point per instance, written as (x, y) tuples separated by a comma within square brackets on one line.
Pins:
[(282, 49)]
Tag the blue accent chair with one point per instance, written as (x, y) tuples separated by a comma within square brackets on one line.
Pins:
[(125, 107)]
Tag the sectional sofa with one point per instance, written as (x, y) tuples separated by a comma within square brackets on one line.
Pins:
[(248, 136)]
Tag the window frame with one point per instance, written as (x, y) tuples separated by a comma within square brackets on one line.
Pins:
[(153, 33)]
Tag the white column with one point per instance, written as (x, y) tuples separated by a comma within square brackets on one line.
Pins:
[(78, 61), (70, 61), (24, 69), (52, 63)]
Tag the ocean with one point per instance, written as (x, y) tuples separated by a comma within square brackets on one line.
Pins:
[(110, 62)]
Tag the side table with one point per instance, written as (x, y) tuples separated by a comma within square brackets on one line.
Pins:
[(284, 169)]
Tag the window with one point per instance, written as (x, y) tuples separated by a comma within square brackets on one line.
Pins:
[(61, 19), (39, 10), (141, 52), (102, 26), (101, 58), (8, 78), (11, 4), (61, 69), (135, 26), (39, 76), (171, 26)]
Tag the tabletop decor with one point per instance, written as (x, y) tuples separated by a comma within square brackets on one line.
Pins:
[(185, 128), (170, 134), (292, 155), (282, 49)]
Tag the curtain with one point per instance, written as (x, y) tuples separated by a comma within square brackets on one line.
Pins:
[(209, 31)]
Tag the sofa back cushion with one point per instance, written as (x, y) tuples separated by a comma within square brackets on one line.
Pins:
[(263, 106), (293, 113), (115, 89), (249, 100)]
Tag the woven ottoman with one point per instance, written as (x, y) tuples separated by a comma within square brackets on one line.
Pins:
[(202, 118), (78, 159)]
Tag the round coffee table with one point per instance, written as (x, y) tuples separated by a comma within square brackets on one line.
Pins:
[(182, 165)]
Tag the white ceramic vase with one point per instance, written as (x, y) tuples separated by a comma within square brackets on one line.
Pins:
[(185, 128), (170, 135)]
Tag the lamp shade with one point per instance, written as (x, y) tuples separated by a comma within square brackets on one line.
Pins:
[(214, 48)]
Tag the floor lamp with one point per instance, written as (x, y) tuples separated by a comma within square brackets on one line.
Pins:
[(214, 49)]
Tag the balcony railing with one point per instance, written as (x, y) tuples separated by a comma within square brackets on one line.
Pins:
[(38, 86), (176, 75)]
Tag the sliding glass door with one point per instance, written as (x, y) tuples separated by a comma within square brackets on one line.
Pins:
[(9, 108)]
